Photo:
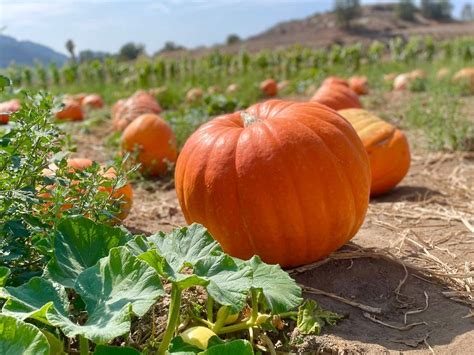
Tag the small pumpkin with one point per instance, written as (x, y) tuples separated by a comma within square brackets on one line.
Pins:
[(194, 95), (288, 181), (387, 147), (127, 110), (418, 74), (214, 89), (269, 87), (402, 82), (465, 76), (232, 89), (79, 97), (442, 73), (389, 78), (359, 84), (155, 141), (198, 336), (283, 85), (7, 108), (93, 101), (72, 111), (337, 97)]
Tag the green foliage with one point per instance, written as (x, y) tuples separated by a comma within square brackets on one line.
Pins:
[(436, 9), (131, 51), (17, 337), (312, 318), (346, 11), (405, 10)]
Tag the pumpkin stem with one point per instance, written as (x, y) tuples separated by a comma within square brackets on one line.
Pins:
[(248, 118)]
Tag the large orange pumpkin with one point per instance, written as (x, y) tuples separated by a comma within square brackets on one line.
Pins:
[(124, 112), (93, 101), (288, 181), (337, 97), (72, 111), (269, 87), (386, 146), (155, 141), (7, 108), (359, 84)]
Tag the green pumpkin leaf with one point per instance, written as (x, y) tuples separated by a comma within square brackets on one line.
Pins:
[(312, 318), (112, 290), (186, 246), (115, 350), (34, 299), (18, 337), (79, 244), (4, 273), (228, 284), (56, 345), (232, 347), (280, 291), (179, 347)]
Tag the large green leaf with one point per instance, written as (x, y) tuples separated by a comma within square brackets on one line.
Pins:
[(4, 273), (186, 246), (232, 347), (228, 284), (112, 290), (18, 337), (280, 291), (115, 350), (34, 299), (79, 244)]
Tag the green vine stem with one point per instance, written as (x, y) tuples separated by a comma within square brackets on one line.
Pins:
[(220, 321), (210, 309), (83, 345), (173, 319)]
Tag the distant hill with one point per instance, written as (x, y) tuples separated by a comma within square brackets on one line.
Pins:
[(27, 52), (321, 30)]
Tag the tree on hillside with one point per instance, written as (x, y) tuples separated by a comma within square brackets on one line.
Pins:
[(436, 9), (131, 51), (346, 11), (233, 38), (88, 55), (70, 48), (405, 10), (467, 14)]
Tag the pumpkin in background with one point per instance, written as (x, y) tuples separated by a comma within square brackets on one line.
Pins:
[(124, 112), (214, 89), (442, 73), (7, 108), (386, 146), (389, 78), (283, 85), (194, 95), (155, 141), (288, 181), (93, 101), (359, 84), (418, 74), (79, 97), (72, 111), (335, 80), (402, 81), (269, 87), (466, 76), (337, 97), (232, 89)]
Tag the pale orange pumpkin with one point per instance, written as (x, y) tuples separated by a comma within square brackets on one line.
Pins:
[(127, 110), (155, 141), (442, 73), (337, 97), (335, 80), (359, 84), (232, 89), (387, 147), (93, 101), (194, 95), (269, 87), (288, 181)]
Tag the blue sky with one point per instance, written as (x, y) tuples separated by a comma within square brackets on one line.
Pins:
[(107, 24)]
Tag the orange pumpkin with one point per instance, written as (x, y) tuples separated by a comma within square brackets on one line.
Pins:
[(155, 141), (335, 80), (402, 81), (269, 87), (72, 111), (7, 108), (359, 84), (125, 111), (283, 85), (386, 146), (79, 97), (337, 97), (442, 73), (288, 181), (93, 101)]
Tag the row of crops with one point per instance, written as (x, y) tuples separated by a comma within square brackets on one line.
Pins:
[(282, 63)]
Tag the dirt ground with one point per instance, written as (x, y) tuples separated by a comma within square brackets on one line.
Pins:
[(404, 282)]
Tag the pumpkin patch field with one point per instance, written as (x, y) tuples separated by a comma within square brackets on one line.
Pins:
[(296, 200)]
